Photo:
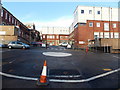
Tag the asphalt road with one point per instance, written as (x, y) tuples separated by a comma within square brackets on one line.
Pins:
[(29, 63)]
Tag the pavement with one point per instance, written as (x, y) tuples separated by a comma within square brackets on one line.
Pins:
[(29, 63)]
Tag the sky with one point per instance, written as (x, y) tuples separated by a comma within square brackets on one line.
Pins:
[(58, 14)]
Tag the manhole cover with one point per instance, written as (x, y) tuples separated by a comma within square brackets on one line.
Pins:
[(62, 73)]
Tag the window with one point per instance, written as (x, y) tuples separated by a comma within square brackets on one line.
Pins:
[(90, 11), (15, 22), (91, 24), (114, 25), (57, 37), (12, 20), (6, 15), (2, 13), (98, 12), (96, 35), (43, 36), (106, 26), (53, 37), (98, 24), (50, 37), (82, 11), (13, 43), (116, 35), (9, 18), (106, 35)]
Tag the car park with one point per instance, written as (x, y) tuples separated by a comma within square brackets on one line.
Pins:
[(18, 44)]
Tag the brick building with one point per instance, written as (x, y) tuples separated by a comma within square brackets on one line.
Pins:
[(35, 35), (7, 22), (93, 24), (55, 35)]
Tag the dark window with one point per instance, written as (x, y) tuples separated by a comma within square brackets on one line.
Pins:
[(13, 42), (82, 11), (98, 12), (91, 24)]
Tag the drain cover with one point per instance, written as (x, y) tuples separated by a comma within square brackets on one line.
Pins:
[(63, 73)]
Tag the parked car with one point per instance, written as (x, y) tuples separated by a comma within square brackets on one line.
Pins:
[(63, 44), (69, 46), (18, 44), (3, 45), (37, 43), (43, 45)]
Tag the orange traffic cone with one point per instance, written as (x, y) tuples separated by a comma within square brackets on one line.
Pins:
[(43, 78)]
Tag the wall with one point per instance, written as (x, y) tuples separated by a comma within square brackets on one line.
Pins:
[(115, 43), (55, 30), (8, 30), (7, 39)]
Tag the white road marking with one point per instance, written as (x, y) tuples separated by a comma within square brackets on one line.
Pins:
[(56, 54), (65, 76), (11, 61), (18, 77), (116, 57), (58, 80)]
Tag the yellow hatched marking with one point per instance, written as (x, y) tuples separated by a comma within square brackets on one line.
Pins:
[(107, 69)]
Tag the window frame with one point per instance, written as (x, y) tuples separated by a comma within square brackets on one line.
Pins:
[(98, 12), (90, 11), (114, 24), (6, 15), (98, 24), (2, 12), (90, 23), (82, 11)]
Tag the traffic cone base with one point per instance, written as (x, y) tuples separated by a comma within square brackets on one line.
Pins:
[(42, 84)]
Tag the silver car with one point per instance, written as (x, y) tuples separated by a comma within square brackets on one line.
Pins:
[(18, 44)]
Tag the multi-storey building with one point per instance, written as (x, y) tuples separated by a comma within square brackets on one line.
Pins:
[(93, 25), (10, 22), (54, 35)]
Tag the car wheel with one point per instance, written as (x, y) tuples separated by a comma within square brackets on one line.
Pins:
[(10, 47), (23, 47)]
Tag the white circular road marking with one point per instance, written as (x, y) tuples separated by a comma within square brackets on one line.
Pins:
[(57, 54)]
